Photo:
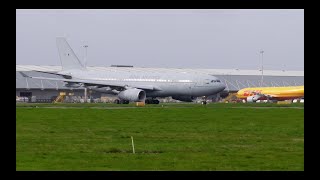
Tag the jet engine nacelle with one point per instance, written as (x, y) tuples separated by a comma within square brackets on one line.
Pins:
[(184, 98), (133, 95), (253, 98), (73, 85)]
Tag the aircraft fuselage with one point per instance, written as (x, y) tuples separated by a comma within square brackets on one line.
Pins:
[(167, 82)]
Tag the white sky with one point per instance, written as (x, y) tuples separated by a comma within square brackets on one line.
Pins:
[(165, 38)]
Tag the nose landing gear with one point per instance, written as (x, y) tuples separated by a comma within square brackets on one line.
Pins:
[(204, 100)]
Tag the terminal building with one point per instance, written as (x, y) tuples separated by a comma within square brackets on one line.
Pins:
[(235, 79)]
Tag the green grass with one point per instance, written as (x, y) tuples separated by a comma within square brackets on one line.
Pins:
[(214, 137), (217, 105)]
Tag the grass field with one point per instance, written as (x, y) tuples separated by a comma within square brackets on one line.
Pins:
[(172, 137)]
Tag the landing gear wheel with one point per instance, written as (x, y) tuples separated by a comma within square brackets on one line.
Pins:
[(152, 101), (124, 102), (117, 101), (155, 101)]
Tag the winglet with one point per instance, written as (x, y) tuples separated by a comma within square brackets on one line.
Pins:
[(24, 75)]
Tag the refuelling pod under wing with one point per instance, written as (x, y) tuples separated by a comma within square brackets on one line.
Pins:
[(73, 85)]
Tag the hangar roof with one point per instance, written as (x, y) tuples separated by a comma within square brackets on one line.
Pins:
[(233, 78), (209, 71)]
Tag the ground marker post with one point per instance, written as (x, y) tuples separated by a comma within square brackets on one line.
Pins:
[(132, 145)]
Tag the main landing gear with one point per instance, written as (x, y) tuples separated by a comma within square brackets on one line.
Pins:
[(147, 101), (120, 101), (152, 101)]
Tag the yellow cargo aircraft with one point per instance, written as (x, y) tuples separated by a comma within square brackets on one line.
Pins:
[(271, 93)]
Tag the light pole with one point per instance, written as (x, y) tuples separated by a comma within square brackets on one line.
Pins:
[(85, 58), (85, 65), (261, 67)]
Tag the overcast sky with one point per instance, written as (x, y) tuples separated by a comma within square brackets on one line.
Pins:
[(165, 38)]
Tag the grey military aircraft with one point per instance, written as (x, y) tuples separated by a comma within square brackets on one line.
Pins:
[(133, 86)]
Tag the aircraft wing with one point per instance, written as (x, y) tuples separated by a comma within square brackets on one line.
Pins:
[(100, 83), (55, 73)]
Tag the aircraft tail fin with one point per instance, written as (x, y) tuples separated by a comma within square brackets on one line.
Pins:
[(68, 58)]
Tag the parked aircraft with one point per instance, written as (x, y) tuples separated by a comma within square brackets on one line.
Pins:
[(271, 93), (136, 86)]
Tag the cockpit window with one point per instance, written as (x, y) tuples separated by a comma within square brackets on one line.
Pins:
[(215, 80), (218, 80)]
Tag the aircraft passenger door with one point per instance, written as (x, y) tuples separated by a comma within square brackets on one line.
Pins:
[(198, 83), (193, 86), (189, 87)]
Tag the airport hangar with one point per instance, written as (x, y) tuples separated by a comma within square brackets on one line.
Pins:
[(234, 79)]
